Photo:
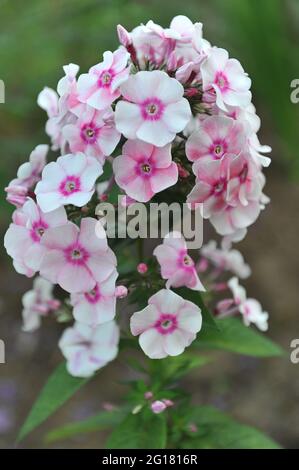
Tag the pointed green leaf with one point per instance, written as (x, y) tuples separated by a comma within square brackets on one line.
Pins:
[(144, 430), (216, 430), (59, 388), (234, 336), (104, 420)]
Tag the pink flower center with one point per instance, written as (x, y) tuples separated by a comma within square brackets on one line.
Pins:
[(105, 79), (37, 231), (152, 109), (218, 148), (89, 133), (221, 81), (93, 296), (188, 261), (144, 169), (76, 254), (70, 185), (167, 323)]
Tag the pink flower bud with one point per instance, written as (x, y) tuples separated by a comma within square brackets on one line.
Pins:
[(190, 92), (121, 292), (158, 407), (148, 395), (108, 406), (192, 427), (168, 402), (54, 304), (103, 197), (123, 36), (183, 173), (142, 268)]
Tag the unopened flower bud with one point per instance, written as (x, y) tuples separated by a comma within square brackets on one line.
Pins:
[(167, 402), (158, 406), (142, 268), (183, 173), (148, 395), (121, 292), (123, 36)]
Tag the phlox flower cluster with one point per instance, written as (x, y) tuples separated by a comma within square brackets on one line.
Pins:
[(165, 111)]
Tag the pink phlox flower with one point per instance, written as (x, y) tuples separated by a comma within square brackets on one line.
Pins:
[(227, 78), (100, 86), (93, 133), (250, 309), (28, 175), (69, 180), (97, 305), (225, 260), (77, 258), (38, 303), (153, 109), (23, 237), (215, 137), (88, 349), (176, 265), (144, 170), (167, 325)]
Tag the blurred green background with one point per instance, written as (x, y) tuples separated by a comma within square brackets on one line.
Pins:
[(37, 37)]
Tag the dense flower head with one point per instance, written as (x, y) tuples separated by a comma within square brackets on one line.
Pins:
[(166, 113)]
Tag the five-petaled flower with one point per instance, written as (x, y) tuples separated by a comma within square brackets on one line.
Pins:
[(153, 108), (176, 264), (76, 259), (167, 325), (144, 170), (69, 180)]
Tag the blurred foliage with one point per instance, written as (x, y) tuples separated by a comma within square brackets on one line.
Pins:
[(39, 36)]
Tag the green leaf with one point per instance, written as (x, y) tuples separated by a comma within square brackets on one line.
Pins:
[(104, 420), (234, 336), (171, 369), (208, 321), (59, 388), (144, 430), (216, 430)]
